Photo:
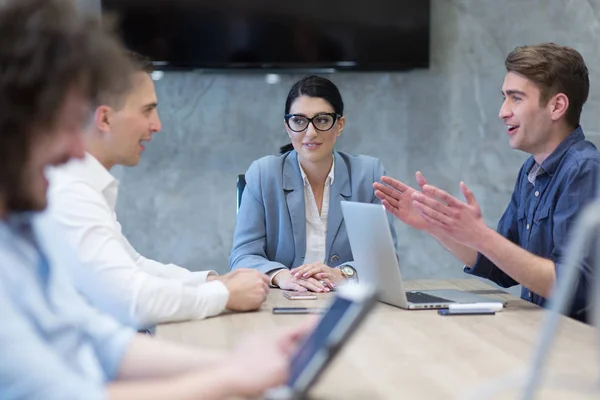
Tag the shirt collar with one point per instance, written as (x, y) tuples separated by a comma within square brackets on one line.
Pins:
[(551, 163), (330, 176), (534, 172), (93, 172), (18, 220), (19, 224)]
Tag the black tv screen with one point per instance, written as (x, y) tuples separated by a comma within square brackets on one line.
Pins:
[(375, 35)]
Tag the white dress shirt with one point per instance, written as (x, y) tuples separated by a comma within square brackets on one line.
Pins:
[(82, 199), (316, 224)]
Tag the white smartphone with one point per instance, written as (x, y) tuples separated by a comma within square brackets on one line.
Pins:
[(290, 295)]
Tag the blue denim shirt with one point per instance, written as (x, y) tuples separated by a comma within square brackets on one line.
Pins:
[(53, 344), (541, 215)]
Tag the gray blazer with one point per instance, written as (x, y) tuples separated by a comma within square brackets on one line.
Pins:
[(271, 224)]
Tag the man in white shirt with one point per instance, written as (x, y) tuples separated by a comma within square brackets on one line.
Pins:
[(82, 200)]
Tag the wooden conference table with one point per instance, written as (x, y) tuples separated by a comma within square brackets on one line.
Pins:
[(399, 354)]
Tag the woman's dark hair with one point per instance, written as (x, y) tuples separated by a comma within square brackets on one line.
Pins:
[(314, 86)]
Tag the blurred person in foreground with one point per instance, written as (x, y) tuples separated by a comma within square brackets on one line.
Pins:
[(53, 344)]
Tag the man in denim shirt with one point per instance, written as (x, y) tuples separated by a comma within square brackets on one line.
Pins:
[(544, 91)]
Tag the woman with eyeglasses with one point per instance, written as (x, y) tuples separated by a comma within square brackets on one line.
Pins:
[(290, 223)]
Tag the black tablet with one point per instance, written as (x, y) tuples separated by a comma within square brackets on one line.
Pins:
[(347, 311)]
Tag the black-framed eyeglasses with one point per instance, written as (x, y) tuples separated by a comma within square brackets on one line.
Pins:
[(321, 121)]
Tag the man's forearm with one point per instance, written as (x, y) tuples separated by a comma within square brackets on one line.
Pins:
[(210, 384), (465, 254), (535, 273), (152, 358)]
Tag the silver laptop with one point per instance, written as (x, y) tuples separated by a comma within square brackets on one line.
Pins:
[(376, 263)]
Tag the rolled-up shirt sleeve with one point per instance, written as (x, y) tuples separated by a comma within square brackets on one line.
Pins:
[(578, 187), (507, 227)]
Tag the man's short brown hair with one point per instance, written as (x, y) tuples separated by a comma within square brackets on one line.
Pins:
[(116, 98), (46, 50), (140, 62), (555, 69)]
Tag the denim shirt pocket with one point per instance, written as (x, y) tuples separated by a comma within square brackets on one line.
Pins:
[(541, 214), (540, 238), (532, 228), (522, 217)]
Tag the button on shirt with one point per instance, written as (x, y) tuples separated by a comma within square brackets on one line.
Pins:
[(82, 199), (53, 345), (546, 200)]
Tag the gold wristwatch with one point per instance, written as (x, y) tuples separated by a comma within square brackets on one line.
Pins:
[(348, 272)]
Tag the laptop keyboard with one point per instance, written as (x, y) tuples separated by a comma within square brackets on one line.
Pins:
[(421, 298)]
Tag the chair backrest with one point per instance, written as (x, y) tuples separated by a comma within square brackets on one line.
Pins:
[(241, 184)]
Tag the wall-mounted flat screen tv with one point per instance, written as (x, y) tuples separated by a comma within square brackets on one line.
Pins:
[(369, 35)]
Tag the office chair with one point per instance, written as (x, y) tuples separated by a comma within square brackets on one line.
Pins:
[(241, 184)]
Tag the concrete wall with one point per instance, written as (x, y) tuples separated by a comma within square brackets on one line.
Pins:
[(179, 204)]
